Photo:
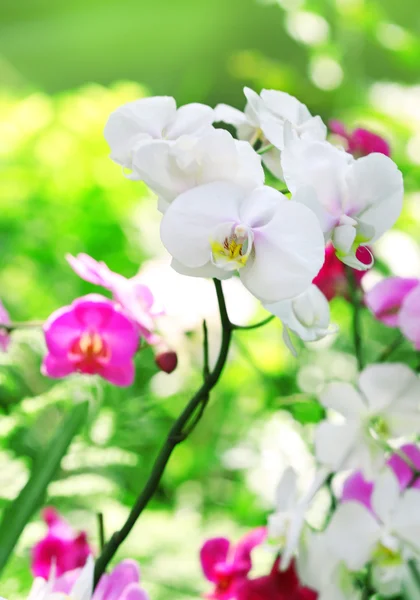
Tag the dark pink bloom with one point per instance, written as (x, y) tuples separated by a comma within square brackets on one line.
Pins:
[(386, 299), (360, 142), (332, 279), (226, 565), (409, 316), (91, 336), (123, 583), (4, 335), (134, 297), (278, 585), (357, 488), (62, 546)]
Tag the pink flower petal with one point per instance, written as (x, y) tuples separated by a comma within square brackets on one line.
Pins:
[(121, 375), (93, 311), (242, 555), (61, 329), (134, 592), (56, 367), (357, 488), (401, 468), (409, 318), (213, 552), (122, 338), (363, 142), (91, 270), (386, 298)]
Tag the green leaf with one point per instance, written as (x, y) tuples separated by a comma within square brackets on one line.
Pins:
[(412, 582), (46, 465)]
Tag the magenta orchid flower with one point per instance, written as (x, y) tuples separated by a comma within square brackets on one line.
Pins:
[(4, 335), (278, 585), (358, 489), (61, 546), (134, 297), (396, 302), (123, 583), (227, 565), (332, 279), (91, 336), (360, 142)]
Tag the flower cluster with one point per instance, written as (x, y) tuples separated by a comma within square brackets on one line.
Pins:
[(63, 567), (220, 219)]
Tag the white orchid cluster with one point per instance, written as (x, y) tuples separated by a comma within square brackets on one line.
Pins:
[(371, 538), (220, 219)]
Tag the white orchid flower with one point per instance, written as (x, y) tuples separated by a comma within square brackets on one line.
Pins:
[(264, 118), (276, 245), (286, 524), (320, 569), (172, 168), (307, 315), (356, 201), (155, 118), (386, 404), (387, 535)]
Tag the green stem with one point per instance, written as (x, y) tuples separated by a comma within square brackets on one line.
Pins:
[(355, 300), (23, 325), (178, 433), (255, 325), (386, 353)]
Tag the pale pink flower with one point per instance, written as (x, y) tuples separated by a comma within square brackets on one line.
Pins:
[(91, 336), (123, 583), (62, 546), (227, 565)]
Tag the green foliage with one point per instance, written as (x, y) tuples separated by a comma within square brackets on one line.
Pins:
[(60, 193)]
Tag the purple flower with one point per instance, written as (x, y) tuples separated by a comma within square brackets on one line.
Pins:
[(61, 546), (360, 142), (358, 489), (396, 302), (91, 336), (123, 583), (226, 565)]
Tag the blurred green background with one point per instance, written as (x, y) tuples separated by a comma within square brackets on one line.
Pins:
[(63, 68)]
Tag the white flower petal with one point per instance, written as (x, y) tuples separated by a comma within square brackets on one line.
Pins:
[(230, 115), (289, 251), (376, 191), (208, 271), (343, 238), (307, 195), (141, 119), (83, 588), (343, 398), (190, 220), (394, 386), (286, 491), (271, 160), (190, 119), (353, 534), (335, 444), (386, 493), (406, 521), (319, 165)]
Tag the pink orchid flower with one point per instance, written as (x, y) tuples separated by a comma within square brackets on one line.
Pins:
[(4, 335), (278, 585), (360, 142), (61, 546), (332, 279), (91, 336), (135, 298), (396, 302), (226, 565), (357, 488), (123, 583)]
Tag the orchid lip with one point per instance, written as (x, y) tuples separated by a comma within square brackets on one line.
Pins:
[(231, 246)]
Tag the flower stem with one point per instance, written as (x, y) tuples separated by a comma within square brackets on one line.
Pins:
[(254, 325), (180, 430), (386, 353), (355, 300), (265, 149), (22, 325)]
